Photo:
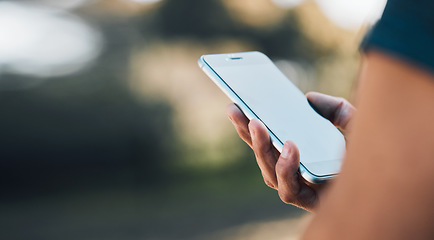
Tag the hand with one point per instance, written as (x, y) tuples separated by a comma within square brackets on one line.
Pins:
[(280, 170)]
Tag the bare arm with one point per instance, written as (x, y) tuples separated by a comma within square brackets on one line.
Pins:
[(385, 189)]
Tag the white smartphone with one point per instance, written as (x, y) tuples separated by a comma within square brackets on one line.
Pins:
[(262, 91)]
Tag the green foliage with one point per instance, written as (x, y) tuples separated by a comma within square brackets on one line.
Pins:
[(208, 20)]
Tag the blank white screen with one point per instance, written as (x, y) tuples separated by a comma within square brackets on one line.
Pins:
[(284, 109)]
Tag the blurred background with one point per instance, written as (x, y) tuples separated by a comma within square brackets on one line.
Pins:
[(109, 129)]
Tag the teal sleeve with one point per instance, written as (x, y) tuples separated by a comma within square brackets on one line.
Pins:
[(405, 31)]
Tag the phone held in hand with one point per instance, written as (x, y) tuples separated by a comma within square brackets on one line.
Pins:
[(262, 91)]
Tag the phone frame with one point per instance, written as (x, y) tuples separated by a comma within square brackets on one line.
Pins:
[(304, 172)]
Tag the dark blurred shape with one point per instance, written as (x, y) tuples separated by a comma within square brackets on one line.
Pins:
[(209, 20), (83, 129), (193, 18), (50, 141)]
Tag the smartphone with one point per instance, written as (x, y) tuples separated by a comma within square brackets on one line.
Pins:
[(262, 91)]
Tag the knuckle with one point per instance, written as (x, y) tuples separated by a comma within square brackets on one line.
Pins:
[(282, 170), (261, 153), (286, 169), (245, 136), (340, 112), (342, 100), (269, 183), (286, 198), (344, 105)]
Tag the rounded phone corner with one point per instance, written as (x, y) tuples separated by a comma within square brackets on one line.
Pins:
[(201, 61), (312, 178)]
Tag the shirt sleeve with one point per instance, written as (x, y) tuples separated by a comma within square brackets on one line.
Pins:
[(405, 31)]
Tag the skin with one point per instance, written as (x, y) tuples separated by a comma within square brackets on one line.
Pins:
[(280, 171), (384, 190)]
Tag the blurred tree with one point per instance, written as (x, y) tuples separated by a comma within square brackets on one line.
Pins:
[(204, 19), (86, 128), (210, 20), (285, 39)]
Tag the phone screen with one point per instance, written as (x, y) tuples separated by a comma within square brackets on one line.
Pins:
[(281, 106)]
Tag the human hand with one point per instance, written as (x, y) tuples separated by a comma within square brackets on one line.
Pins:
[(280, 170)]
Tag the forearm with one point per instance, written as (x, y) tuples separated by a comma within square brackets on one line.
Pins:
[(385, 188)]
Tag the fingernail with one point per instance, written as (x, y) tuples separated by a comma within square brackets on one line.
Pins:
[(285, 150)]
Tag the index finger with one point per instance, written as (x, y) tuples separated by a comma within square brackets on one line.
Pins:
[(240, 122)]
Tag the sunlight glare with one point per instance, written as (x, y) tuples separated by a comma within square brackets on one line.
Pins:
[(43, 42), (352, 14), (287, 3), (146, 1)]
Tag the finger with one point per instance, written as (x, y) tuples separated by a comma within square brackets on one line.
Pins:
[(292, 189), (287, 172), (240, 122), (337, 110), (264, 152)]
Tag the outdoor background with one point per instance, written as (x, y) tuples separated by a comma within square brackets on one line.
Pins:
[(109, 129)]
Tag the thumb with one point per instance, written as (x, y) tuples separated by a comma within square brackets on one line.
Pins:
[(337, 110)]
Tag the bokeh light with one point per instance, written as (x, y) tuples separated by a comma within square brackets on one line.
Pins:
[(44, 42), (146, 1), (64, 4), (352, 14), (287, 3)]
